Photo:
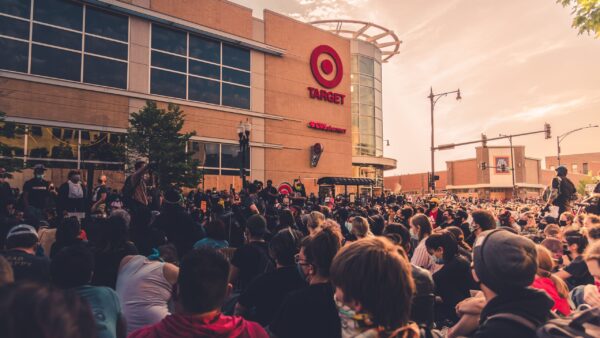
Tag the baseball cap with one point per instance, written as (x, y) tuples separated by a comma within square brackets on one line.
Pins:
[(504, 261), (435, 200), (22, 229), (39, 167), (257, 225)]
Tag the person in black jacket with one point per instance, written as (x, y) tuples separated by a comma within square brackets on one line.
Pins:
[(72, 195), (512, 309)]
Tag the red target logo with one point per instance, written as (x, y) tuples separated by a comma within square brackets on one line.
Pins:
[(324, 61)]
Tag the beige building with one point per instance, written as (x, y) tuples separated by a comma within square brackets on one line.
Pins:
[(71, 72)]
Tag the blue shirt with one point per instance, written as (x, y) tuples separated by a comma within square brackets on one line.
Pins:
[(211, 243), (105, 306)]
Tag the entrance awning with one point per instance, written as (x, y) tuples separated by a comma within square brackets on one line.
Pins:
[(345, 181)]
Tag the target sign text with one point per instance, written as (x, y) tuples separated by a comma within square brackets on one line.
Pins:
[(323, 69)]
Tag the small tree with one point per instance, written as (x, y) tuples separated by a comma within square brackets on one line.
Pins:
[(586, 15), (155, 134), (582, 185), (8, 153)]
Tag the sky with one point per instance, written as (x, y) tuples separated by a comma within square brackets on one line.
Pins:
[(518, 64)]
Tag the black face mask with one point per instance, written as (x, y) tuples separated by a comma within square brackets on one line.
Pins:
[(522, 222), (562, 223)]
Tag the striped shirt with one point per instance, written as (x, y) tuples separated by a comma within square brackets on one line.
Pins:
[(422, 258)]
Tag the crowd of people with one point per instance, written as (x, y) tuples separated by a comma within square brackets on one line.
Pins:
[(143, 263)]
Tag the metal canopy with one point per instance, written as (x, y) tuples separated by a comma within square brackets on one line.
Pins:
[(345, 181)]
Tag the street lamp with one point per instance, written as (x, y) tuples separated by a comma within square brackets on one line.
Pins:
[(433, 98), (243, 131), (560, 138)]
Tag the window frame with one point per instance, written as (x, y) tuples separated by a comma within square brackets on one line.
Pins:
[(82, 51), (220, 168)]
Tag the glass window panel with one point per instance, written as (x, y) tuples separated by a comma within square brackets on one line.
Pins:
[(19, 8), (67, 134), (56, 37), (105, 47), (378, 128), (55, 63), (62, 13), (105, 72), (106, 24), (354, 64), (354, 109), (354, 78), (203, 90), (366, 125), (366, 110), (205, 49), (236, 96), (366, 65), (378, 113), (205, 69), (354, 123), (378, 99), (377, 70), (98, 147), (367, 95), (169, 40), (230, 156), (13, 139), (168, 61), (13, 55), (211, 154), (236, 76), (14, 27), (167, 83), (354, 93), (378, 85), (236, 57), (366, 81), (49, 145), (232, 172)]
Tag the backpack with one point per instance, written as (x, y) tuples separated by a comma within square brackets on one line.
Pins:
[(584, 324)]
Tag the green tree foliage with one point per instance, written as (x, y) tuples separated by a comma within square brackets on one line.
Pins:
[(7, 153), (586, 15), (155, 134), (583, 183)]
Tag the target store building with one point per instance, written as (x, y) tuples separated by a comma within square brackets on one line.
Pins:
[(72, 72)]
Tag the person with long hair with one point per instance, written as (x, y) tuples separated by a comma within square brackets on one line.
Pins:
[(555, 287), (420, 229)]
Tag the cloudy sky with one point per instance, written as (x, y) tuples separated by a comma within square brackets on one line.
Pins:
[(518, 64)]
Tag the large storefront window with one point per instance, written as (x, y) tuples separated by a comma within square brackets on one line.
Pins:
[(59, 147), (219, 158), (195, 68), (69, 41), (367, 126)]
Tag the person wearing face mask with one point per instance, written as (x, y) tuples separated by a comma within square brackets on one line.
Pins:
[(576, 272), (420, 229), (378, 312), (72, 195), (36, 193), (453, 281), (566, 219), (311, 311), (483, 220)]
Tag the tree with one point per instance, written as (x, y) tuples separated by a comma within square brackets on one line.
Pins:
[(586, 15), (582, 185), (8, 161), (155, 134)]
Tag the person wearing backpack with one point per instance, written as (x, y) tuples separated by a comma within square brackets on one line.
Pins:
[(563, 190), (505, 265)]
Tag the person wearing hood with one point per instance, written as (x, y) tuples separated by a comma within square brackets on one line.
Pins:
[(512, 309), (202, 288)]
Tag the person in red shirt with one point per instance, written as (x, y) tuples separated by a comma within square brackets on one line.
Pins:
[(555, 287), (202, 289)]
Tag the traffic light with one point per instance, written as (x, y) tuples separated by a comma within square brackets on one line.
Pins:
[(483, 165), (547, 131), (484, 140)]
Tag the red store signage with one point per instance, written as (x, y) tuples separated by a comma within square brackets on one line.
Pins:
[(325, 127), (322, 70)]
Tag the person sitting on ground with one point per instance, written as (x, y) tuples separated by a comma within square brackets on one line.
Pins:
[(72, 268), (6, 272), (589, 294), (253, 258), (21, 246), (368, 311), (453, 280), (463, 248), (265, 294), (67, 234), (145, 287), (513, 309), (31, 310), (576, 272), (215, 236), (552, 242), (314, 221), (420, 228), (202, 288), (555, 287), (361, 228), (483, 220), (311, 311)]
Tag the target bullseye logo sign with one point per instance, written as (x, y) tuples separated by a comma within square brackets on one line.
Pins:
[(328, 70)]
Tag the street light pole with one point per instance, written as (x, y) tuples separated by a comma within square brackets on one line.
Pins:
[(433, 98), (560, 138)]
